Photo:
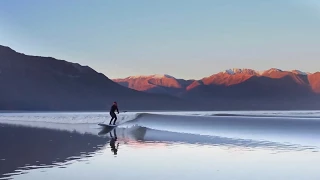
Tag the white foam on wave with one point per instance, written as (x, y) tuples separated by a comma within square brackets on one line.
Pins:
[(67, 118)]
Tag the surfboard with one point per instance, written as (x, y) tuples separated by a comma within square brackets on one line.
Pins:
[(107, 125)]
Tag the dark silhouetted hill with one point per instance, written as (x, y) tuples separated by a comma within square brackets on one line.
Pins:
[(44, 83)]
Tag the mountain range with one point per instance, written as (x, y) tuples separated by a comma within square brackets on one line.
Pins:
[(230, 83), (236, 88), (44, 83)]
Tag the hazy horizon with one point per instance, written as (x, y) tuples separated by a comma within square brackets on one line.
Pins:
[(190, 40)]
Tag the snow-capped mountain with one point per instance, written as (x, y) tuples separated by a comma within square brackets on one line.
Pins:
[(254, 72), (155, 76), (241, 71), (157, 83), (300, 72)]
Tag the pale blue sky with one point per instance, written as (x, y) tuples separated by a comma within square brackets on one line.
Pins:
[(183, 38)]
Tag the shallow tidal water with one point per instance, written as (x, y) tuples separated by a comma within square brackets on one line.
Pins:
[(156, 146)]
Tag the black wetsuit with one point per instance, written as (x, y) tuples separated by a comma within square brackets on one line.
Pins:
[(112, 114)]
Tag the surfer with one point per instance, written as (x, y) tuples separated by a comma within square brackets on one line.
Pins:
[(114, 108)]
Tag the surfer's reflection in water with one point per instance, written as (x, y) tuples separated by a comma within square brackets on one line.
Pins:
[(113, 142)]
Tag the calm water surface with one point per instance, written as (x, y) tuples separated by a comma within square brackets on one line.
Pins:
[(141, 152)]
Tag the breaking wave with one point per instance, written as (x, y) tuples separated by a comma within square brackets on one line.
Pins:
[(297, 127)]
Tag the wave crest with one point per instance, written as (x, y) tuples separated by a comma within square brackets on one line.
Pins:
[(68, 118)]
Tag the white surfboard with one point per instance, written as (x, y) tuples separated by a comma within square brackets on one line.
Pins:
[(107, 125)]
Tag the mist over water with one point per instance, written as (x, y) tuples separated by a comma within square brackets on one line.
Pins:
[(158, 145)]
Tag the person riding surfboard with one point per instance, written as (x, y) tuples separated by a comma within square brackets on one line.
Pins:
[(114, 108)]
